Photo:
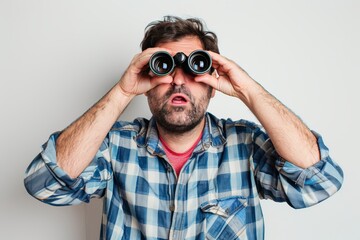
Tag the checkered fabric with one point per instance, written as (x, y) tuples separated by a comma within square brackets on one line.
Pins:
[(216, 196)]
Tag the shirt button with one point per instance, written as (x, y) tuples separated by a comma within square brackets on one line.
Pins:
[(172, 208)]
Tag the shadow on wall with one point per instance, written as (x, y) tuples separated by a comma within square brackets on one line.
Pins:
[(93, 213)]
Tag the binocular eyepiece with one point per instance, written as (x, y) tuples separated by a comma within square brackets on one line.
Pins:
[(198, 62)]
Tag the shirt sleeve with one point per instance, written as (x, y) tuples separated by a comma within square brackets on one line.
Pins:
[(280, 180), (47, 182)]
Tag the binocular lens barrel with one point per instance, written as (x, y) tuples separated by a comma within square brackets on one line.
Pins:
[(198, 62), (161, 63)]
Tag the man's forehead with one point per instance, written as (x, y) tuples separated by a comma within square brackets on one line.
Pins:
[(185, 45)]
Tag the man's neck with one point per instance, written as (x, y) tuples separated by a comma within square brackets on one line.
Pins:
[(181, 142)]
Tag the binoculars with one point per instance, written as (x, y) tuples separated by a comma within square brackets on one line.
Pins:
[(198, 62)]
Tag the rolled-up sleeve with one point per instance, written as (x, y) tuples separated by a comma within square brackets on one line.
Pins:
[(47, 182), (281, 180)]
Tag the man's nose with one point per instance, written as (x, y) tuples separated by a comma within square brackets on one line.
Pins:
[(179, 76)]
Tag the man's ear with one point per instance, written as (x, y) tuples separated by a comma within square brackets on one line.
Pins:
[(215, 74)]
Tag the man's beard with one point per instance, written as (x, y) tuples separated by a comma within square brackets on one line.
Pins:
[(166, 116), (193, 117)]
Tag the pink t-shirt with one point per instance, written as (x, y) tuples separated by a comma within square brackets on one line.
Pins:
[(176, 159)]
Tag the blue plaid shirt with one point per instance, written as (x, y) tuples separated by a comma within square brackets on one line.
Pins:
[(216, 196)]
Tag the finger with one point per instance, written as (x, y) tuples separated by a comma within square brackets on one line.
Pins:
[(155, 81), (220, 62), (142, 59), (208, 79)]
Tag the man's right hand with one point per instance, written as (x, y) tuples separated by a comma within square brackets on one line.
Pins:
[(135, 81)]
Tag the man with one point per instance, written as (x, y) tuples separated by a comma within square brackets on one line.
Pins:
[(184, 174)]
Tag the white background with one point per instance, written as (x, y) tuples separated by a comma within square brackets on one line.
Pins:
[(57, 58)]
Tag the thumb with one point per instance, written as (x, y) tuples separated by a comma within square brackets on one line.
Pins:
[(155, 81), (207, 79)]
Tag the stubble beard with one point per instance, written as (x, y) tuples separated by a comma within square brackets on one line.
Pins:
[(178, 119)]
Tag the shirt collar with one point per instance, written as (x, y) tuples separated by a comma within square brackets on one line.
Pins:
[(212, 136)]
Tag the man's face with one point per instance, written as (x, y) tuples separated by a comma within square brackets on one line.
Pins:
[(180, 106)]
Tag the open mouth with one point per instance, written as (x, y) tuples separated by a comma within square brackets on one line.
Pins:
[(179, 99)]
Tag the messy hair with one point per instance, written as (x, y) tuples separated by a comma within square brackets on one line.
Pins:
[(172, 29)]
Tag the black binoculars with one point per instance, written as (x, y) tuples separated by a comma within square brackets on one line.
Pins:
[(198, 62)]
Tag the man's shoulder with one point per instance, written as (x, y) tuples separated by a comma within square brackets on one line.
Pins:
[(135, 126), (226, 123)]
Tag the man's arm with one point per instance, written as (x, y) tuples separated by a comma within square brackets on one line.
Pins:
[(291, 137), (78, 143)]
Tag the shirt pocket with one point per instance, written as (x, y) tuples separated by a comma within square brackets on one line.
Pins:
[(225, 218)]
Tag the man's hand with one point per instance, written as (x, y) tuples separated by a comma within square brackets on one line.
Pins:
[(229, 78), (135, 80)]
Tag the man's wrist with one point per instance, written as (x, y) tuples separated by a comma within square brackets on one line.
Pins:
[(250, 92), (122, 93)]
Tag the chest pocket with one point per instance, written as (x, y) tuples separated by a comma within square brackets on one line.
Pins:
[(225, 218)]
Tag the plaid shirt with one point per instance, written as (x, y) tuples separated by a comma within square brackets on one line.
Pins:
[(216, 196)]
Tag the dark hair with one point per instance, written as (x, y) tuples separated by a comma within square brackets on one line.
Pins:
[(172, 29)]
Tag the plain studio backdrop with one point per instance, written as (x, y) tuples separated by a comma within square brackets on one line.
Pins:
[(57, 58)]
